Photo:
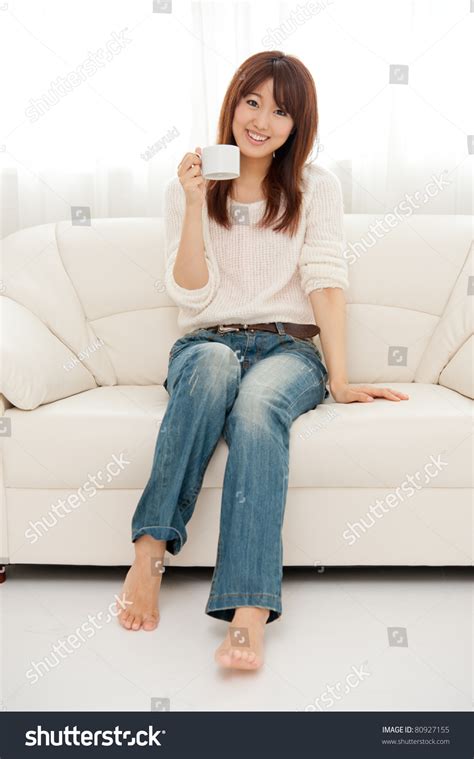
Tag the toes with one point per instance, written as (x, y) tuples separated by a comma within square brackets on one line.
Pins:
[(137, 623), (132, 621), (223, 657), (252, 662), (245, 660), (125, 620), (235, 658), (150, 622), (255, 662)]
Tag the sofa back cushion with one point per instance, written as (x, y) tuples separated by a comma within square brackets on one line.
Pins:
[(117, 267), (100, 290), (401, 280)]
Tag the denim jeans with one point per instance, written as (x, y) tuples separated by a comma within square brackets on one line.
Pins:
[(249, 387)]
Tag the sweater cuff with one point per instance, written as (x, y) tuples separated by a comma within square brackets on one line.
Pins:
[(321, 283), (318, 275)]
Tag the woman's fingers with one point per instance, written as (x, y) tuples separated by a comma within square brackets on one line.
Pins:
[(357, 395), (393, 394), (386, 392), (188, 161)]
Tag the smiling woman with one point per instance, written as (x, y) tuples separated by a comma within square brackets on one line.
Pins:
[(248, 367), (244, 369), (269, 111)]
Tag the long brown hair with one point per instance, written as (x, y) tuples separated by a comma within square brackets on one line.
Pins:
[(294, 92)]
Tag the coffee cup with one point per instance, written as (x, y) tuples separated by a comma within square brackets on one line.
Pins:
[(220, 162)]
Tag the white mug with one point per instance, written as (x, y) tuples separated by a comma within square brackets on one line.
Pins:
[(220, 162)]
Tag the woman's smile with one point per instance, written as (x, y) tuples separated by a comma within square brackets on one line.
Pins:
[(255, 138)]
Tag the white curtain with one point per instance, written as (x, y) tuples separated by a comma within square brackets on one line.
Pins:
[(88, 88)]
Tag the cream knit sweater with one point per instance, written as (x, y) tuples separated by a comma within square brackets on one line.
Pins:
[(258, 275)]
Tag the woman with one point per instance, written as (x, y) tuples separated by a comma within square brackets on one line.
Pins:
[(251, 285)]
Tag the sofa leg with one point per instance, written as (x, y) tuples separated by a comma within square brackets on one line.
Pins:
[(3, 573)]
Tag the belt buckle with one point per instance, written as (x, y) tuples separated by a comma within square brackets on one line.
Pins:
[(222, 328)]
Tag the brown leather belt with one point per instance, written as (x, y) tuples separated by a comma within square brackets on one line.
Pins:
[(295, 330)]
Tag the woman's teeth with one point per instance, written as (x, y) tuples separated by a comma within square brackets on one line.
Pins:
[(254, 137)]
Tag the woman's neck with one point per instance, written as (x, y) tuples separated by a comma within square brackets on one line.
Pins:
[(248, 186), (253, 170)]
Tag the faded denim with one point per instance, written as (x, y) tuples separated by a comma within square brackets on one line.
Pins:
[(248, 387)]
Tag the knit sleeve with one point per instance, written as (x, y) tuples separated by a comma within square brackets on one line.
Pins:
[(321, 262), (191, 301)]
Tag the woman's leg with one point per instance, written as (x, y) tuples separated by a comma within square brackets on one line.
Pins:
[(202, 382), (246, 586)]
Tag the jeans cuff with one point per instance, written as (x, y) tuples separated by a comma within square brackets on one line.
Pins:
[(224, 606), (174, 539)]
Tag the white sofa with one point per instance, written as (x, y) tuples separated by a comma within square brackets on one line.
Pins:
[(86, 330)]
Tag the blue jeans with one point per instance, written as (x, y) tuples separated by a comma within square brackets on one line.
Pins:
[(249, 387)]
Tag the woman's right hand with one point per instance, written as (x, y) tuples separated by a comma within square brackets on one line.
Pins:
[(192, 181)]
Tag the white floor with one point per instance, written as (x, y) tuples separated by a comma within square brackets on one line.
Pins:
[(334, 622)]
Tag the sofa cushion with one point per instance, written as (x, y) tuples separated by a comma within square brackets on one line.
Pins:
[(335, 445), (36, 367)]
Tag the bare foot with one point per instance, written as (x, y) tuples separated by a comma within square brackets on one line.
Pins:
[(243, 645), (142, 585)]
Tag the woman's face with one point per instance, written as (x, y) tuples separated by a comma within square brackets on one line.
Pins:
[(258, 114)]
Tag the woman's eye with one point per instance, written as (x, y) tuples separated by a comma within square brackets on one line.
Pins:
[(278, 109)]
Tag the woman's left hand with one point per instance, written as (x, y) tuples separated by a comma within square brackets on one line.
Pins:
[(345, 393)]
